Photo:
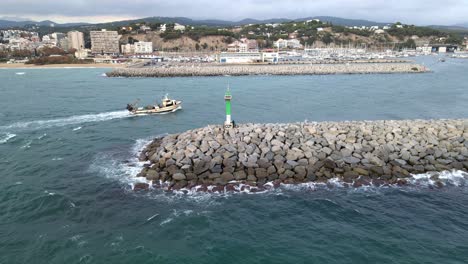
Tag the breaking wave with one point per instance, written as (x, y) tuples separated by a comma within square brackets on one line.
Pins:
[(432, 180), (121, 166), (439, 179), (66, 121), (4, 139)]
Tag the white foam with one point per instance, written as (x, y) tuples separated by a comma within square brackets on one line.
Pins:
[(27, 145), (188, 212), (76, 128), (49, 193), (124, 171), (454, 178), (427, 180), (110, 167), (76, 237), (152, 217), (168, 220), (20, 73), (7, 137), (66, 121)]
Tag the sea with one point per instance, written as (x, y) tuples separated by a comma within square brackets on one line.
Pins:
[(68, 161)]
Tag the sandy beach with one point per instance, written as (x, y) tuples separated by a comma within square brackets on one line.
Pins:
[(32, 66)]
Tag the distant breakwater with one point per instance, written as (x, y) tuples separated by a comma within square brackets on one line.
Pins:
[(282, 69), (345, 61), (258, 154)]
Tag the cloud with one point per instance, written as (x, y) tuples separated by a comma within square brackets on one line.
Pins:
[(414, 11)]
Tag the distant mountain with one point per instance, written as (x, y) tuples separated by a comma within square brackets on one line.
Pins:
[(6, 23), (158, 19), (348, 22), (46, 23), (452, 29), (214, 22), (10, 23), (224, 23), (464, 25)]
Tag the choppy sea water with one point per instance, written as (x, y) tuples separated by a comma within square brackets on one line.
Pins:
[(67, 163)]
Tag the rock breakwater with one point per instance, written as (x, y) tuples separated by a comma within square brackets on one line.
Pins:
[(354, 152), (284, 69)]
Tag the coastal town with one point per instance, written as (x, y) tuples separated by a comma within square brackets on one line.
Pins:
[(152, 44), (233, 132)]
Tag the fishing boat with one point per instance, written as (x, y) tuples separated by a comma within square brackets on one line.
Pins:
[(167, 105)]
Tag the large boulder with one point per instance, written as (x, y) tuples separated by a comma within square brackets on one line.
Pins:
[(201, 165), (179, 176), (351, 160)]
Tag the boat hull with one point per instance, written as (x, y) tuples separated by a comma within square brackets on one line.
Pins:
[(159, 110)]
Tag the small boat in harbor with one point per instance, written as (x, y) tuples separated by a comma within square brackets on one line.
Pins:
[(167, 105)]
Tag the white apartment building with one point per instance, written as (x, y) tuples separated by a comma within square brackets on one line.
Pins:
[(75, 40), (143, 47), (145, 28), (179, 27), (128, 49), (244, 45), (281, 43), (106, 42), (288, 43), (46, 39), (249, 57), (82, 53), (137, 48)]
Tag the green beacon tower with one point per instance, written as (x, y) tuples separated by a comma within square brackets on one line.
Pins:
[(227, 98)]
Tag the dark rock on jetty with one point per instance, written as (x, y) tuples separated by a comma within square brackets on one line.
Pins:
[(284, 69), (254, 154)]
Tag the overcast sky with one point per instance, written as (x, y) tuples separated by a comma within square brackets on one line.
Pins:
[(419, 12)]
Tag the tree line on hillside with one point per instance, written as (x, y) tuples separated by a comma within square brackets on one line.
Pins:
[(310, 32)]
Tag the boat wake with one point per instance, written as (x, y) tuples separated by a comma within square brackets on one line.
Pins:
[(66, 121), (4, 139)]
